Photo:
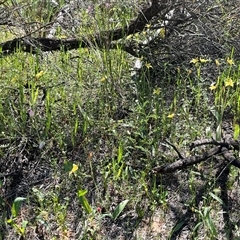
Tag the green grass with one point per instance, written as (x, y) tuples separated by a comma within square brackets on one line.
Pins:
[(64, 112)]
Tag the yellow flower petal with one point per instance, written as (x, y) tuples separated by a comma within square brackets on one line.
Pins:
[(171, 115), (148, 65), (202, 60), (189, 71), (229, 82), (194, 60), (217, 62), (213, 87), (129, 36), (103, 79), (38, 75), (74, 169), (230, 61), (156, 91)]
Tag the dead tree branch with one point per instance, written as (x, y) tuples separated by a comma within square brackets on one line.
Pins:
[(101, 40), (224, 148), (188, 161)]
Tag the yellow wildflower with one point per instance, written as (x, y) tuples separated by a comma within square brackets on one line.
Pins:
[(38, 75), (202, 60), (129, 36), (148, 65), (74, 169), (171, 115), (229, 82), (103, 79), (217, 62), (156, 91), (189, 72), (194, 60), (230, 61), (213, 87)]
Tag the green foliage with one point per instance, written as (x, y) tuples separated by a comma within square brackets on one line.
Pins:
[(118, 210), (100, 132), (20, 228), (83, 200), (16, 206)]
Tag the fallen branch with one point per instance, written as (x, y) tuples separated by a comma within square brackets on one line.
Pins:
[(188, 161), (229, 157), (223, 148), (101, 40), (227, 144)]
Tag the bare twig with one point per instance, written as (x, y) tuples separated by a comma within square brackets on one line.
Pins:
[(188, 161), (176, 149)]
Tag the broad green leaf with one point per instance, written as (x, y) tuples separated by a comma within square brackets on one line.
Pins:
[(68, 166), (84, 202), (82, 193), (177, 227), (119, 209), (216, 198), (16, 206), (208, 221)]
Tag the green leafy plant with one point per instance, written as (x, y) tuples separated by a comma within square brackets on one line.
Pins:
[(83, 201), (15, 209), (207, 222), (83, 119), (118, 210)]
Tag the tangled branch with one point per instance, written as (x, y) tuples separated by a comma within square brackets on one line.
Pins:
[(101, 40), (223, 148)]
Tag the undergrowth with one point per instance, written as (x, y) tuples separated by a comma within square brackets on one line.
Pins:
[(96, 133)]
